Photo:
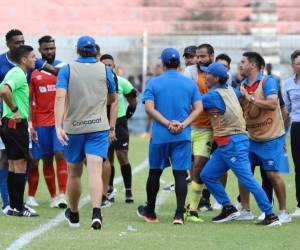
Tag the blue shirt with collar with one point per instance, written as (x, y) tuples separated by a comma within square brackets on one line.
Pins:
[(64, 73), (213, 100), (173, 95), (291, 96), (6, 65)]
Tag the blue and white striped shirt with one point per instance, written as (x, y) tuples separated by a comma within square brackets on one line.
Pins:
[(291, 97)]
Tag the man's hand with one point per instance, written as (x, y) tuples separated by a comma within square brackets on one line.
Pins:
[(16, 116), (245, 93), (62, 136), (112, 136), (33, 134), (175, 127)]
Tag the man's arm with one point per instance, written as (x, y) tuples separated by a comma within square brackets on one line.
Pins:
[(59, 108), (6, 94), (153, 113), (132, 103), (113, 119), (197, 110)]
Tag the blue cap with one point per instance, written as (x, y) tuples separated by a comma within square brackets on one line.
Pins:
[(86, 43), (170, 54), (216, 69)]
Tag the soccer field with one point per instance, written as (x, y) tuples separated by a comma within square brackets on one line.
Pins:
[(124, 230)]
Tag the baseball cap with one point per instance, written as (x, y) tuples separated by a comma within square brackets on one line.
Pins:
[(169, 54), (216, 69), (190, 50), (86, 43)]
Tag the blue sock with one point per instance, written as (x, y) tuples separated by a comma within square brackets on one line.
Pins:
[(3, 187)]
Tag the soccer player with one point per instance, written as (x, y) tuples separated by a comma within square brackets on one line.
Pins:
[(189, 55), (264, 124), (172, 113), (83, 89), (42, 95), (14, 130), (291, 95), (125, 90), (230, 134), (201, 136)]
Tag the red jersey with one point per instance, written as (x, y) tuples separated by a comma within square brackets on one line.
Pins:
[(42, 91)]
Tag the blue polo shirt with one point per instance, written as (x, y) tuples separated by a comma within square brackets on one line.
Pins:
[(213, 100), (6, 65), (172, 94), (64, 73)]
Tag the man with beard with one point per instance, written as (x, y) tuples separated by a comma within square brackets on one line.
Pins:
[(201, 135), (264, 124), (42, 97)]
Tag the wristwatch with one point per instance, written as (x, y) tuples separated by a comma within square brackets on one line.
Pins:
[(112, 128), (252, 99), (15, 109)]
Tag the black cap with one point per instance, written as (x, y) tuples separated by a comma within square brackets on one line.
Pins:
[(190, 50)]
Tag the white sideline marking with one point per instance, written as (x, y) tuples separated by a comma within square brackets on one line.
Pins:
[(26, 238)]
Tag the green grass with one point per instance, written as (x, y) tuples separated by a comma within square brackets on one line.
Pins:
[(162, 235)]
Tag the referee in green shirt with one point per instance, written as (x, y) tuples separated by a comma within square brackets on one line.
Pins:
[(14, 131)]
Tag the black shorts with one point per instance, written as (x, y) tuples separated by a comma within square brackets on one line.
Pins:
[(122, 134), (16, 140)]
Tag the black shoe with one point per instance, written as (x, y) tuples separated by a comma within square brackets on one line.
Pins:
[(105, 202), (25, 212), (204, 205), (96, 220), (170, 188), (72, 218), (228, 213), (10, 212), (270, 220), (142, 212), (128, 196), (178, 218)]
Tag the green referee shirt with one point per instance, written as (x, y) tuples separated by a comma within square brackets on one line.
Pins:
[(17, 81), (124, 88)]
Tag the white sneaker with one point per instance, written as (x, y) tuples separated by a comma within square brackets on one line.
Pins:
[(31, 210), (238, 206), (61, 201), (31, 202), (54, 203), (245, 215), (297, 212), (284, 217), (217, 206), (111, 193), (261, 217), (6, 209)]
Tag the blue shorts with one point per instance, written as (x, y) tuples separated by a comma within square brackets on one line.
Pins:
[(92, 143), (48, 141), (36, 151), (267, 154), (175, 154)]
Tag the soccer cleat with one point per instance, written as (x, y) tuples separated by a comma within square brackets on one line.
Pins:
[(204, 205), (228, 213), (128, 196), (297, 212), (178, 219), (238, 205), (217, 206), (61, 201), (25, 212), (31, 202), (143, 213), (284, 217), (192, 216), (72, 218), (269, 220), (245, 215), (111, 194), (261, 217), (54, 202), (6, 209), (96, 220), (105, 202), (170, 188)]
